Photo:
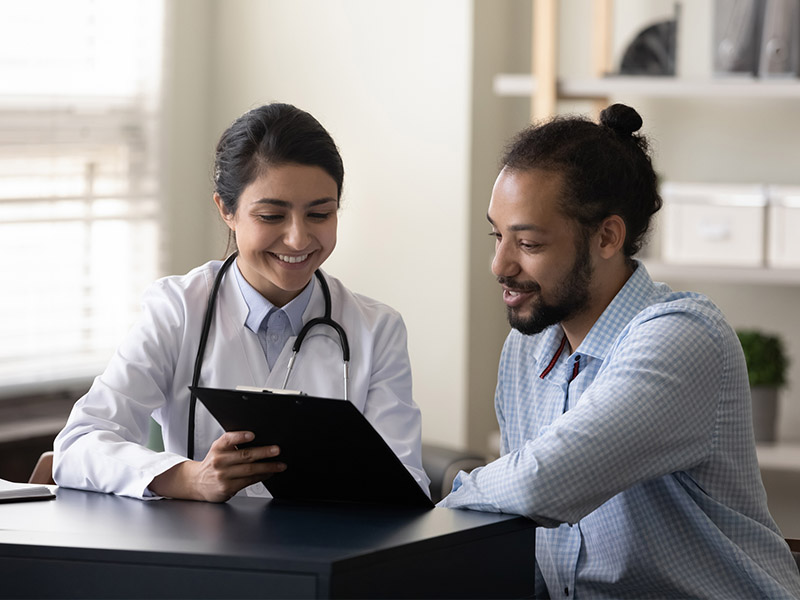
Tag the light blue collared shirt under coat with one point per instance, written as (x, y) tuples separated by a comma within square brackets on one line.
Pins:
[(273, 325)]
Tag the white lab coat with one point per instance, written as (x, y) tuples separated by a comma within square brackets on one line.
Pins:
[(102, 445)]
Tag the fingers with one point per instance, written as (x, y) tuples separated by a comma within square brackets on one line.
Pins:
[(225, 453), (256, 470), (228, 467), (230, 439), (256, 453), (241, 475)]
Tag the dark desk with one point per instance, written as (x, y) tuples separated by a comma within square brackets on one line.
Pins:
[(86, 545)]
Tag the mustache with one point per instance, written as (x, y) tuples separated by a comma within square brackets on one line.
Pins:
[(519, 286)]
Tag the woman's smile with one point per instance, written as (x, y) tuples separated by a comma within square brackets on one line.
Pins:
[(291, 208), (291, 259)]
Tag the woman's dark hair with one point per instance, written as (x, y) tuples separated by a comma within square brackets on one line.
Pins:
[(269, 136), (606, 168)]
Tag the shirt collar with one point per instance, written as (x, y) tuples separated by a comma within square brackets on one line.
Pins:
[(259, 307), (634, 296)]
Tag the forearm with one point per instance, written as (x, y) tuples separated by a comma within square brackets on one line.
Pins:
[(506, 485), (583, 459), (225, 470), (648, 413), (176, 482)]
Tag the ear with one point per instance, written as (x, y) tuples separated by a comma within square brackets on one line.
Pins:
[(226, 216), (612, 236)]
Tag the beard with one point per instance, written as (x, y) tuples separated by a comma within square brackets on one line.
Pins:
[(571, 297)]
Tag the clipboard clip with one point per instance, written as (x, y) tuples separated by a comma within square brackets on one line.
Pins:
[(260, 390)]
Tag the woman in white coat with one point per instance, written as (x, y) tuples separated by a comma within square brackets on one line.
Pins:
[(278, 180)]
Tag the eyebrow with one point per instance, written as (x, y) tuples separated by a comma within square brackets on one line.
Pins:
[(285, 204), (520, 227)]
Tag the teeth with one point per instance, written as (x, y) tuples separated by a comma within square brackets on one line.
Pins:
[(513, 293), (292, 259)]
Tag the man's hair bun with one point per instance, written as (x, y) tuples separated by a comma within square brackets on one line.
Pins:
[(622, 119)]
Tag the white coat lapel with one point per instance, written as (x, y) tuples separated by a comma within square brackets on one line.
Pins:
[(234, 350)]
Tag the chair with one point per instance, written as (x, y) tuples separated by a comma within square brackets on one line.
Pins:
[(43, 471), (443, 464), (794, 546)]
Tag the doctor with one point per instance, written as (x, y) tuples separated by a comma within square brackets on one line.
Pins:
[(278, 179)]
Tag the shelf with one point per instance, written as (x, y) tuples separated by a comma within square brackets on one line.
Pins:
[(524, 85), (660, 271), (779, 457)]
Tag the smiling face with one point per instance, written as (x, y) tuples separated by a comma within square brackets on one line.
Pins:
[(542, 258), (285, 225)]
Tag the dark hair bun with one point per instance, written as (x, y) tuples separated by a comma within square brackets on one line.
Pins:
[(622, 119)]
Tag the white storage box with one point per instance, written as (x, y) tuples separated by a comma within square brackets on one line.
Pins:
[(714, 224), (783, 231)]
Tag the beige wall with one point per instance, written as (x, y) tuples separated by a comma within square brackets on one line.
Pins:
[(188, 149), (501, 43)]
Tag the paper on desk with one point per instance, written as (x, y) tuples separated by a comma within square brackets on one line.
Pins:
[(17, 492)]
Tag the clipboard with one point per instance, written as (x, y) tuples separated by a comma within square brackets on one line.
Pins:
[(332, 453)]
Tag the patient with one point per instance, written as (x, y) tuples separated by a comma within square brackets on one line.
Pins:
[(624, 407)]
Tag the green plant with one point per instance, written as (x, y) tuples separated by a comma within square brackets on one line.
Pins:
[(766, 360)]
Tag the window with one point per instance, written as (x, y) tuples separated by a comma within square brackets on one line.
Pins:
[(79, 182)]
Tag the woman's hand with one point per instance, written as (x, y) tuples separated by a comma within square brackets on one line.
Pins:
[(225, 470)]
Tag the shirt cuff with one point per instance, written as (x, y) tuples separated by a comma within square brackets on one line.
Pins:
[(450, 500)]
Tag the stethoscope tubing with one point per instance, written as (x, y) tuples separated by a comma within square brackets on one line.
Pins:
[(326, 320)]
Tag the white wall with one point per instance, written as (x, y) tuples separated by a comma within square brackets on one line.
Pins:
[(188, 149), (391, 82), (501, 44)]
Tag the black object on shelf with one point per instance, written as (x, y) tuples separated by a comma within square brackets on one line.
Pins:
[(652, 52)]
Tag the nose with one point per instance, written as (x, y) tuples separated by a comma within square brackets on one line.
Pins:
[(504, 264), (296, 235)]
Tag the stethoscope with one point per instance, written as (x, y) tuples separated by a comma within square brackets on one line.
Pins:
[(326, 320)]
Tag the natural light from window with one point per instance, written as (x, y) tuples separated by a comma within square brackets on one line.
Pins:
[(79, 182)]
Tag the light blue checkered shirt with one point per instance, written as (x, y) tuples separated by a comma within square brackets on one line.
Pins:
[(636, 454), (273, 325)]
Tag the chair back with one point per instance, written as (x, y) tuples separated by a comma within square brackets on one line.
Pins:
[(43, 471), (794, 546)]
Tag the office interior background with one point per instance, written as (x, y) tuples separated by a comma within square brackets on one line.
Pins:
[(408, 89)]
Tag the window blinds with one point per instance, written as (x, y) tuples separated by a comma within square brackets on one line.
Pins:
[(79, 182)]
